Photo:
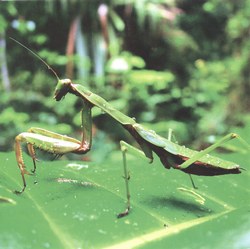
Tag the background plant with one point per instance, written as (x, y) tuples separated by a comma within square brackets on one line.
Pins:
[(170, 64)]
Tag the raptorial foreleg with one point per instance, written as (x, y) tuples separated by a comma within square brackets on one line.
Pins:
[(20, 162)]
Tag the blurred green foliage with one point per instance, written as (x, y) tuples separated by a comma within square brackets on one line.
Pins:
[(170, 64)]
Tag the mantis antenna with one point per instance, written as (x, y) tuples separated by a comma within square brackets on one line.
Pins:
[(37, 56)]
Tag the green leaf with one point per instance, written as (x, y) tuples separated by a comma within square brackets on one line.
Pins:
[(73, 204)]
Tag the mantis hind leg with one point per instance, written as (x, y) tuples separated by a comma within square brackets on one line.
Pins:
[(192, 181), (213, 147)]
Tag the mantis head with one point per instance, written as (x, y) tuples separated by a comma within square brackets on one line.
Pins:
[(62, 88)]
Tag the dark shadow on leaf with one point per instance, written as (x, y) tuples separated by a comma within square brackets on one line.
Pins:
[(175, 203)]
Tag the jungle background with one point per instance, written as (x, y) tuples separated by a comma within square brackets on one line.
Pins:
[(175, 64)]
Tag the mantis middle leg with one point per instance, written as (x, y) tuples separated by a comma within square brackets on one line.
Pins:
[(125, 147)]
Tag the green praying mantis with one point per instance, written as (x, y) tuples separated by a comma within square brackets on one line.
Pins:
[(171, 154)]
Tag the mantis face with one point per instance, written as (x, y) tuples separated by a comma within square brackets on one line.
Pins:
[(62, 88)]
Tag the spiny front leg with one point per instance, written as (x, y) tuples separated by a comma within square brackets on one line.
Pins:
[(20, 162), (46, 141), (32, 154)]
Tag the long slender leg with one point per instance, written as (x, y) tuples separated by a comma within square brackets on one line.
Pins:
[(213, 147), (125, 147), (192, 181), (126, 178)]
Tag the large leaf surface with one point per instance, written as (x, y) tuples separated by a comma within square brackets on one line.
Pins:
[(67, 206)]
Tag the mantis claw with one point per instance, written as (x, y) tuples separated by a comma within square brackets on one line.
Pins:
[(34, 163), (123, 214), (18, 192)]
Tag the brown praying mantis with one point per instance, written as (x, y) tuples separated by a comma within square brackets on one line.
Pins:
[(171, 154)]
